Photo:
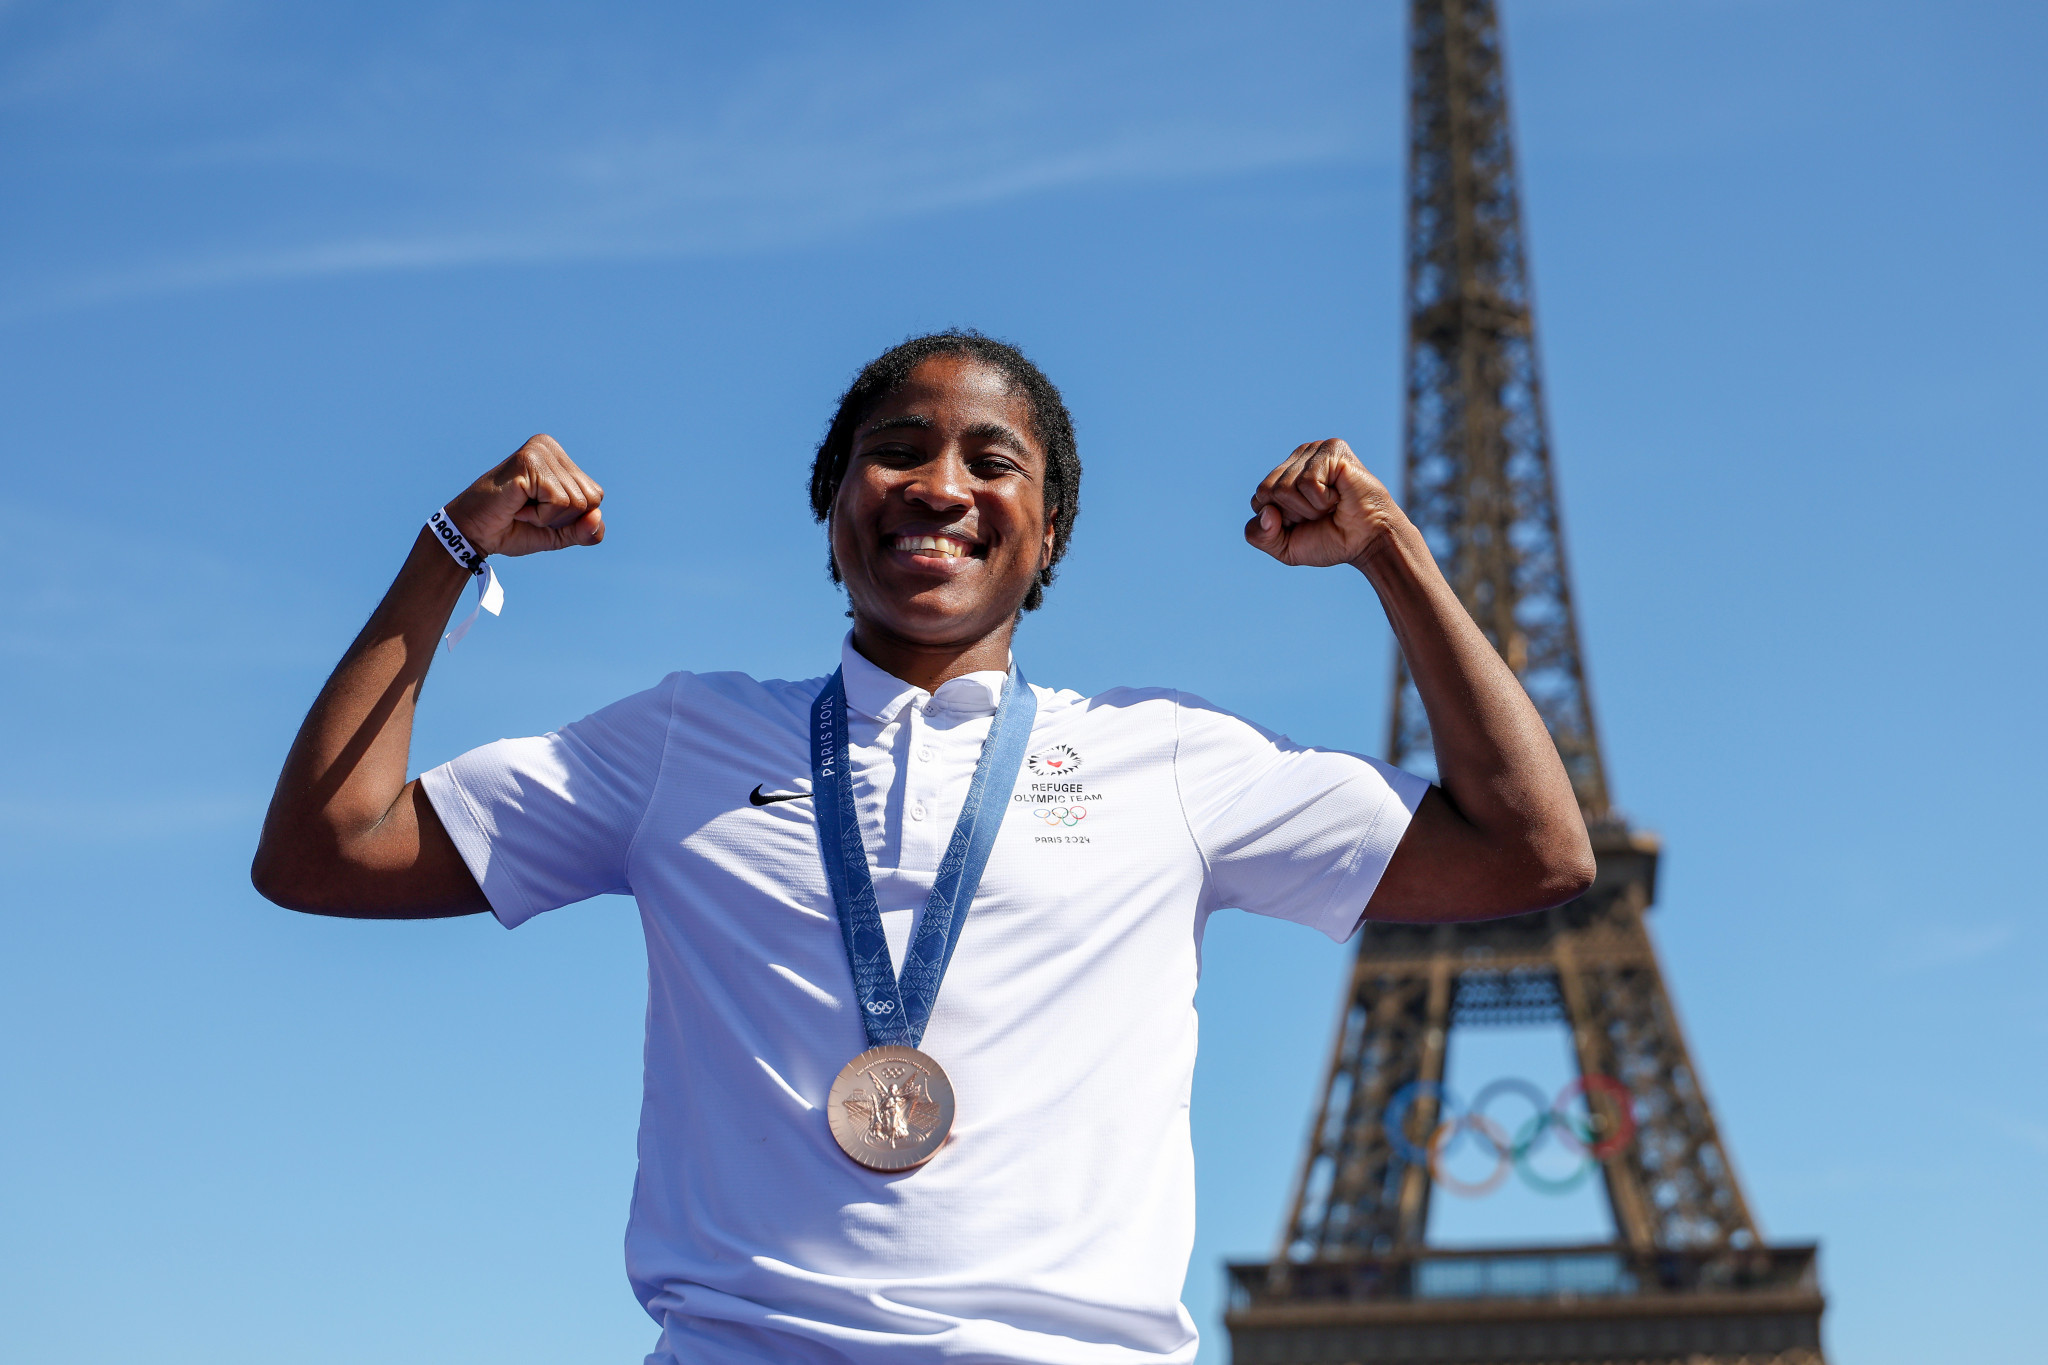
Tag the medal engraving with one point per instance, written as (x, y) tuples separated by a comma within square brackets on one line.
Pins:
[(891, 1108)]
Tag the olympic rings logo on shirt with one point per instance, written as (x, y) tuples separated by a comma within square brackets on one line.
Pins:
[(1056, 816), (1578, 1134)]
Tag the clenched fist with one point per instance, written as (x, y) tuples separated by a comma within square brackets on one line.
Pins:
[(1321, 507), (537, 499)]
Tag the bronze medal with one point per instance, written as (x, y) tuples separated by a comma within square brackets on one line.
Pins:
[(891, 1108)]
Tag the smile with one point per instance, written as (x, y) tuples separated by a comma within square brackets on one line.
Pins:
[(943, 546)]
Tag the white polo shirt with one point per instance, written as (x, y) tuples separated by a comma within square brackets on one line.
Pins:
[(1055, 1224)]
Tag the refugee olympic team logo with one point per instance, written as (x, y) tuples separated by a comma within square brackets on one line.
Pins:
[(1057, 761)]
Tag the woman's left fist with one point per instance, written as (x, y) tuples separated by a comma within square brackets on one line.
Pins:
[(1321, 506)]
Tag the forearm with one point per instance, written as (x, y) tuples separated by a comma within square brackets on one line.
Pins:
[(1496, 762), (347, 768)]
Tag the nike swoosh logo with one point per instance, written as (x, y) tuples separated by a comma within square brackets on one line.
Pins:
[(760, 798)]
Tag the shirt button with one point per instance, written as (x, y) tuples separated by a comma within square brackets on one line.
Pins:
[(925, 753), (917, 811)]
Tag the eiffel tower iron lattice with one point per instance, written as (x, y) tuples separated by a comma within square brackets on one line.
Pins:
[(1688, 1278)]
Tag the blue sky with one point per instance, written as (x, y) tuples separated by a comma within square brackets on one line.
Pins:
[(277, 281)]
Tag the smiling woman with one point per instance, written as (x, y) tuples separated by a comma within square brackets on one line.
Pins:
[(748, 816), (1046, 430), (944, 523)]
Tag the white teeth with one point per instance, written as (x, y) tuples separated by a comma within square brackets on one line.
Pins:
[(937, 545)]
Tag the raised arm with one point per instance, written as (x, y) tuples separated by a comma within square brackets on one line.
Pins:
[(346, 833), (1501, 833)]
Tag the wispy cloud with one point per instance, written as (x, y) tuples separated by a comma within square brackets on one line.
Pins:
[(2027, 1132), (153, 599), (124, 819), (416, 151), (808, 204), (55, 51), (1933, 945)]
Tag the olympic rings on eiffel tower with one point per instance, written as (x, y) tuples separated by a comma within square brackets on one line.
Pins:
[(1510, 1153)]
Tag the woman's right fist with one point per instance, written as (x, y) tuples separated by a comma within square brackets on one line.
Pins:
[(536, 500)]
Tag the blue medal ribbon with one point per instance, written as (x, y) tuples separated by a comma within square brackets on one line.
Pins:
[(894, 1011)]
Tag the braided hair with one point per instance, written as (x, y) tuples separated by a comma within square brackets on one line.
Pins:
[(1050, 423)]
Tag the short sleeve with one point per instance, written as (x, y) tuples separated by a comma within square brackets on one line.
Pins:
[(547, 821), (1297, 833)]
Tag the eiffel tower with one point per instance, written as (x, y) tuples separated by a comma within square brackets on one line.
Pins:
[(1687, 1280)]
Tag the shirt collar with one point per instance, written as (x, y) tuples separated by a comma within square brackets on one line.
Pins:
[(879, 695)]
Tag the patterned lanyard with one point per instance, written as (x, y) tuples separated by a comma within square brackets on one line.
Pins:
[(892, 1011)]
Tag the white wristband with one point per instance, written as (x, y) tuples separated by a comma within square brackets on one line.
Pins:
[(490, 594), (454, 542)]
